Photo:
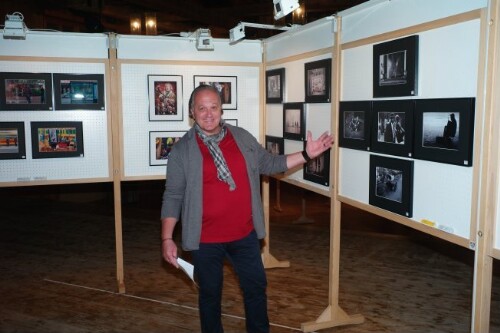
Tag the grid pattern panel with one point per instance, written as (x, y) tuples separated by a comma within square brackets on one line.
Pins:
[(135, 108), (94, 163)]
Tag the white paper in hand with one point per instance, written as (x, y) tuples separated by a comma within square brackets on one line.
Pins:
[(187, 268)]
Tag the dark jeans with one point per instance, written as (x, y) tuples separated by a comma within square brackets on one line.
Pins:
[(244, 254)]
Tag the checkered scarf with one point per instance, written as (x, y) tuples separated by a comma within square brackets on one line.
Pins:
[(212, 143)]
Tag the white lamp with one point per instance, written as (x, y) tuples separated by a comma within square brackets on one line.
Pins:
[(14, 27), (284, 7), (238, 32), (204, 40)]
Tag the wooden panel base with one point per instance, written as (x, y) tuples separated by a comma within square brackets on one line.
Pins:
[(331, 317)]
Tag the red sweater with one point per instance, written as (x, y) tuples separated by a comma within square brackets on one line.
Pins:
[(227, 215)]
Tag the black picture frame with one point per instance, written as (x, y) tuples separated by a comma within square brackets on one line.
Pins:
[(391, 184), (318, 79), (275, 85), (12, 140), (395, 68), (233, 122), (317, 170), (275, 145), (294, 121), (395, 114), (165, 98), (444, 130), (227, 86), (55, 139), (355, 124), (25, 91), (160, 145), (79, 92)]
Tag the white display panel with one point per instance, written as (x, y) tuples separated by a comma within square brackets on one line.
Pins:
[(381, 16), (318, 115), (354, 171), (135, 108), (57, 44), (94, 163), (183, 49), (311, 37), (446, 69)]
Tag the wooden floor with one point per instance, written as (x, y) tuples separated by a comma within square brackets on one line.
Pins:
[(58, 272)]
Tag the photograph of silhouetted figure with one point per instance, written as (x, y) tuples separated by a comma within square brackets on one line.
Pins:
[(441, 130)]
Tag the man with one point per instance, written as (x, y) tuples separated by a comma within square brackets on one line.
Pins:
[(389, 129), (213, 183)]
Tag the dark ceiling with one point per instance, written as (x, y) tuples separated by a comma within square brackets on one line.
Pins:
[(172, 16)]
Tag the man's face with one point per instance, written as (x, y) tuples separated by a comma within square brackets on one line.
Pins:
[(207, 111)]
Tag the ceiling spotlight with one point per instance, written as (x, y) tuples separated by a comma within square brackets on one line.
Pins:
[(14, 27), (284, 7), (238, 32), (204, 40)]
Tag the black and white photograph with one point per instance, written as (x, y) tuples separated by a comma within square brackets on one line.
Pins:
[(392, 127), (444, 130), (318, 81), (275, 145), (317, 170), (275, 83), (395, 67), (391, 184), (354, 124), (294, 121), (441, 130)]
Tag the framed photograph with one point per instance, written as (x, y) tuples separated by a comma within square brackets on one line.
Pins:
[(79, 91), (275, 145), (355, 125), (226, 85), (160, 145), (294, 121), (165, 97), (233, 122), (25, 91), (391, 184), (392, 127), (317, 170), (395, 67), (12, 140), (57, 139), (318, 81), (275, 85), (444, 130)]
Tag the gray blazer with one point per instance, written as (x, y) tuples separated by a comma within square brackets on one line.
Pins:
[(183, 195)]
